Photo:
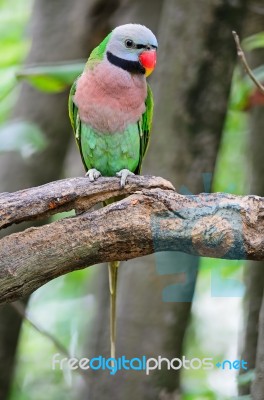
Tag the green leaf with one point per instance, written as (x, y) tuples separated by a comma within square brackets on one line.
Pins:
[(254, 42), (51, 78), (22, 136)]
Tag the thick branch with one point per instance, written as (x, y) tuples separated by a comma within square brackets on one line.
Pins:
[(68, 194), (212, 225)]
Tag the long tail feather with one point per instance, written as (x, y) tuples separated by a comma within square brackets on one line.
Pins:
[(113, 274)]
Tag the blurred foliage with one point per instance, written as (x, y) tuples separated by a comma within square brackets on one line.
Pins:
[(243, 88), (21, 136), (24, 137), (204, 395), (14, 45), (52, 78), (254, 42), (65, 306)]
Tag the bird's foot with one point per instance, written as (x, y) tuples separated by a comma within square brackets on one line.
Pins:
[(123, 174), (93, 174)]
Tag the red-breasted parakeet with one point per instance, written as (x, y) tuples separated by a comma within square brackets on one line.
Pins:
[(111, 108)]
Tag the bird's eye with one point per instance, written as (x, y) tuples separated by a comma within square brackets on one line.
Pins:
[(129, 43)]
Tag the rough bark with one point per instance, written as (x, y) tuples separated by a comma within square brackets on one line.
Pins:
[(69, 194), (152, 220), (60, 31)]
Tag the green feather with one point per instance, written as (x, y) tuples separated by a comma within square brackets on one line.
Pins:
[(73, 110), (141, 130), (75, 120), (98, 53), (145, 125), (110, 153)]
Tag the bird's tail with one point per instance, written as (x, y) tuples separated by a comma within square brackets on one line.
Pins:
[(113, 274)]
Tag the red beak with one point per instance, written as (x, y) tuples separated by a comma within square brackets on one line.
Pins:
[(148, 60)]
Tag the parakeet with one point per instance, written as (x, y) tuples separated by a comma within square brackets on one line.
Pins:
[(111, 108)]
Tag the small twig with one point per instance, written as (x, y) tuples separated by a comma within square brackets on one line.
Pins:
[(20, 309), (243, 59)]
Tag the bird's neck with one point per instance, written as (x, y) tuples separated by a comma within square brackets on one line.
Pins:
[(133, 67)]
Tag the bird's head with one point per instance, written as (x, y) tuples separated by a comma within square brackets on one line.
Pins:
[(133, 47)]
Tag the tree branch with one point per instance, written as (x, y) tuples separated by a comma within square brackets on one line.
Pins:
[(66, 195), (150, 220), (243, 59)]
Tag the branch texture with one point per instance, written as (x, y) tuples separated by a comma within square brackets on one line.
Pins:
[(68, 194), (154, 218)]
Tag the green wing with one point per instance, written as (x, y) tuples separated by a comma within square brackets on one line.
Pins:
[(98, 53), (145, 125), (75, 120)]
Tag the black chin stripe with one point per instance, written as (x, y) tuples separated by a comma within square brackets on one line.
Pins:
[(134, 67)]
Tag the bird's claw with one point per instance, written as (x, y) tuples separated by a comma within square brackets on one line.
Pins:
[(93, 174), (123, 174)]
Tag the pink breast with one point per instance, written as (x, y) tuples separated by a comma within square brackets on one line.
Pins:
[(109, 98)]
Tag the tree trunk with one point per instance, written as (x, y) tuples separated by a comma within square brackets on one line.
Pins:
[(191, 85), (258, 384), (254, 325), (254, 341)]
